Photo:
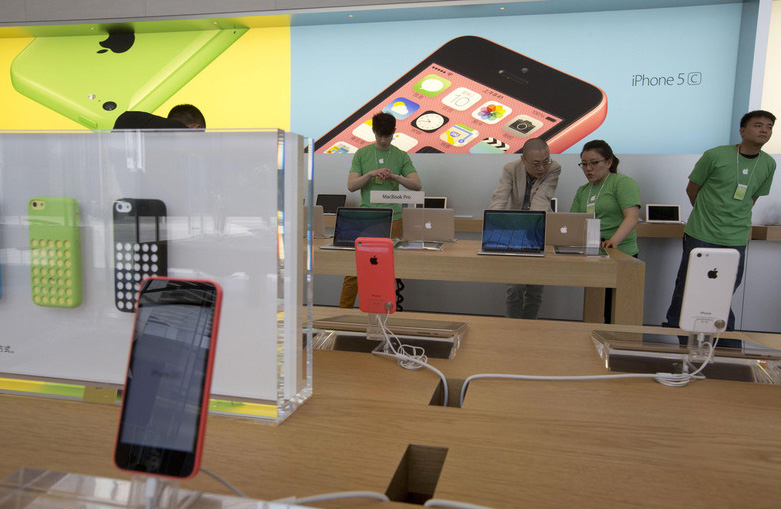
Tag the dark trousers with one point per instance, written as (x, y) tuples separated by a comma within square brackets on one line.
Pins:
[(689, 243)]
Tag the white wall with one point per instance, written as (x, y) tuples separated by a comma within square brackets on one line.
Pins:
[(469, 180)]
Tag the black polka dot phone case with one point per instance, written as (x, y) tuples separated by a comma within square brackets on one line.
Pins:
[(140, 247)]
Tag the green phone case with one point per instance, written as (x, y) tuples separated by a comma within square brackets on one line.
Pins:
[(87, 82), (55, 251)]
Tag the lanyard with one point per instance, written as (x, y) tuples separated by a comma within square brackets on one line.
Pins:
[(598, 193), (737, 167)]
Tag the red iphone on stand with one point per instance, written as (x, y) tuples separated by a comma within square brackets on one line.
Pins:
[(376, 275), (166, 395)]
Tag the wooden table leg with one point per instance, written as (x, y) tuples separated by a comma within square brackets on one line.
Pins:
[(629, 295), (594, 305)]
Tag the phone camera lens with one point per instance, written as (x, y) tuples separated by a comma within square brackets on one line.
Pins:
[(109, 105), (699, 255)]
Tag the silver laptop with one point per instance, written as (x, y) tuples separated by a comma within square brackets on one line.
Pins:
[(566, 228), (318, 223), (513, 233), (352, 223), (567, 232), (655, 213), (427, 228)]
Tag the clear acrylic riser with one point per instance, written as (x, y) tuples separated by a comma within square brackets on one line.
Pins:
[(361, 333), (733, 359), (230, 206), (30, 488)]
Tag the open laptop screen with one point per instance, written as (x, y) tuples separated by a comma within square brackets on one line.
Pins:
[(435, 202), (513, 230), (331, 202), (663, 213), (352, 223)]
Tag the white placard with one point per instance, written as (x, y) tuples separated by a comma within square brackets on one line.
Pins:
[(410, 197)]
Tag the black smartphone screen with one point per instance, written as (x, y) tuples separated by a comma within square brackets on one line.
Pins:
[(475, 96), (167, 375)]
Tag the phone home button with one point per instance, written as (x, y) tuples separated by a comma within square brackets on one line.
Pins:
[(154, 460)]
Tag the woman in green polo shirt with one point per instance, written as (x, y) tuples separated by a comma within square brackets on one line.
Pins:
[(613, 198)]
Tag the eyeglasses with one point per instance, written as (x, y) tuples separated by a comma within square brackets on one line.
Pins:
[(585, 165), (537, 164)]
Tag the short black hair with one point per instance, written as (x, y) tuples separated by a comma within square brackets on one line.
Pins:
[(535, 144), (188, 114), (383, 124), (756, 114)]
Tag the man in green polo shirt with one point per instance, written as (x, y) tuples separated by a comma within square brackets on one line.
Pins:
[(723, 188), (379, 167)]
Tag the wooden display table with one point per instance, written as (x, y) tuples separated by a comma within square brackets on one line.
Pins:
[(514, 444), (460, 262)]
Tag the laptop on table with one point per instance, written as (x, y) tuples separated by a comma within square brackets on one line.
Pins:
[(513, 233), (434, 202), (352, 223), (331, 202), (427, 228), (663, 214), (566, 232)]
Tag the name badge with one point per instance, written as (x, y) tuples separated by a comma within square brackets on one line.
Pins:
[(740, 191), (591, 207)]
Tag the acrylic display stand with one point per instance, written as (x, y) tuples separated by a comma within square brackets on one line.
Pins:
[(733, 359), (235, 213), (359, 333), (30, 488)]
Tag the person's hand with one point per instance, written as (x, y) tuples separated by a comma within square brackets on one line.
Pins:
[(608, 243), (383, 174)]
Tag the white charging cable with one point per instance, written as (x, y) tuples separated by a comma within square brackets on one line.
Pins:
[(409, 357), (667, 379), (334, 496), (440, 502)]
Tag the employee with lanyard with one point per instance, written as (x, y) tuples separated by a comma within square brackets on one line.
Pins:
[(723, 187), (379, 167), (613, 198)]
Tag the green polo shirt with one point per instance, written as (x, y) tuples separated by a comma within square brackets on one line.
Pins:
[(369, 158), (717, 217), (616, 193)]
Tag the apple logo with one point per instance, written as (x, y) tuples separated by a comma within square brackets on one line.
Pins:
[(373, 260), (564, 229), (118, 41), (428, 225), (713, 274)]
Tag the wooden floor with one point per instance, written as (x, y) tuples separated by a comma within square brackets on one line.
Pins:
[(623, 443)]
